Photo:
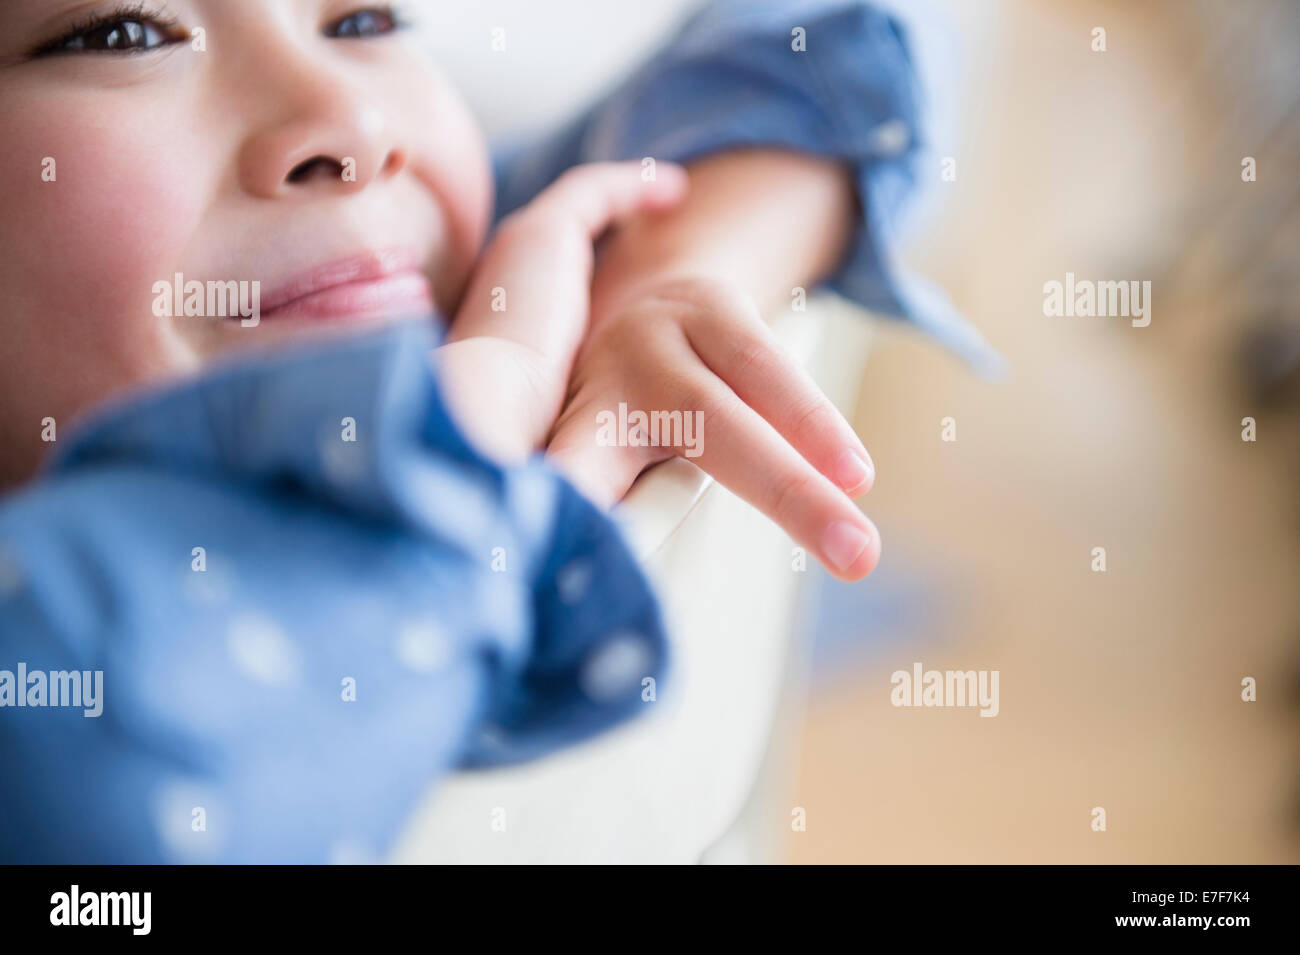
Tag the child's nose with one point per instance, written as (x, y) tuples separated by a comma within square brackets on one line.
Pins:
[(341, 144)]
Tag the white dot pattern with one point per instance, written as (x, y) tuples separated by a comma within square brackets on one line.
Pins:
[(421, 646), (262, 651), (615, 667)]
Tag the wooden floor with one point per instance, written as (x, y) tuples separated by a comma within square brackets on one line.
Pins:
[(1121, 689)]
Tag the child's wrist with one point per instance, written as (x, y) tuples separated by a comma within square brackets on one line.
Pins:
[(764, 220)]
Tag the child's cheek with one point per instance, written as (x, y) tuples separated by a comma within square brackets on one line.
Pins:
[(450, 157), (103, 213), (462, 181)]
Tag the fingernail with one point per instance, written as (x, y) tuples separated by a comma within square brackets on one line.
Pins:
[(844, 543), (852, 471)]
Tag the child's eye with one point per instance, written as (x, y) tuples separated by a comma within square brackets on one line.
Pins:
[(373, 21), (123, 31)]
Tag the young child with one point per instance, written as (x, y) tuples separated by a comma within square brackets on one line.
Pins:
[(256, 598)]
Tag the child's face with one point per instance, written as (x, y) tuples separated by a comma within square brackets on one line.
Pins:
[(292, 143)]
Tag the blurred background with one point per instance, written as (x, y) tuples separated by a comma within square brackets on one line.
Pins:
[(1119, 689)]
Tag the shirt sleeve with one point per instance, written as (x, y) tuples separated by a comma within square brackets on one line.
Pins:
[(253, 618), (830, 77)]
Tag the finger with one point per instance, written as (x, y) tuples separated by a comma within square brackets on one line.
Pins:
[(602, 471), (596, 195), (746, 454), (532, 283), (737, 346)]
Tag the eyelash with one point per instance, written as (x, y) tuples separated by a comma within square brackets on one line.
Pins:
[(121, 15), (139, 14)]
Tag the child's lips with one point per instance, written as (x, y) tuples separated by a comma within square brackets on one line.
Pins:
[(384, 283)]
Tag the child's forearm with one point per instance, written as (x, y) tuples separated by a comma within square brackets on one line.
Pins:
[(766, 219)]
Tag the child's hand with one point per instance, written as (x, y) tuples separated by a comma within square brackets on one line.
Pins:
[(511, 346), (769, 434)]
